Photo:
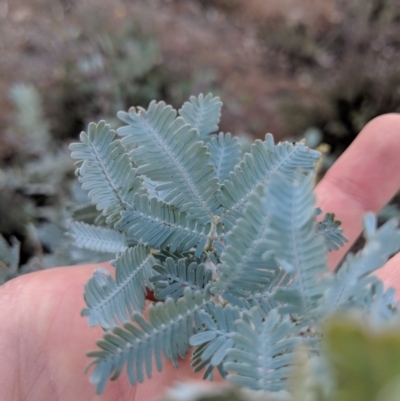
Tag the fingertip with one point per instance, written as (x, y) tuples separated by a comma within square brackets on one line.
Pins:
[(364, 178), (388, 121)]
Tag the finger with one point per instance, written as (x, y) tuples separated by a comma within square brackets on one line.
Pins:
[(363, 179)]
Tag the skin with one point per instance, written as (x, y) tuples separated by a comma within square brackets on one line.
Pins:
[(43, 338)]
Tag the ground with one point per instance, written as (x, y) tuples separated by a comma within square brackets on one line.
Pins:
[(217, 45)]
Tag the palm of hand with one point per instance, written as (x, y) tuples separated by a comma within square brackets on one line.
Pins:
[(43, 355), (44, 339)]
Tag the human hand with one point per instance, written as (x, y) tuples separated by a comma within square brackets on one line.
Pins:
[(43, 338)]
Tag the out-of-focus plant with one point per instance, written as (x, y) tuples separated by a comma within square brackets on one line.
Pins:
[(33, 182), (36, 192), (351, 68), (30, 130), (230, 248), (361, 361), (114, 69)]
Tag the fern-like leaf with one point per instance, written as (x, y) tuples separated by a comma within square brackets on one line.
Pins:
[(353, 277), (137, 343), (264, 298), (97, 239), (243, 270), (296, 247), (110, 301), (263, 352), (173, 277), (265, 160), (104, 168), (159, 225), (169, 152), (213, 343), (380, 303), (225, 154), (330, 229), (203, 114)]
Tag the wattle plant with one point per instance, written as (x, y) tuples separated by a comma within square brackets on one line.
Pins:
[(230, 244)]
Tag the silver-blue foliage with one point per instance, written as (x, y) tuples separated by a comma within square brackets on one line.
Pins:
[(110, 301), (229, 245), (174, 276), (96, 238)]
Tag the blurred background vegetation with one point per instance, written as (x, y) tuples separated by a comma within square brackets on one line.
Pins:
[(307, 67), (361, 362)]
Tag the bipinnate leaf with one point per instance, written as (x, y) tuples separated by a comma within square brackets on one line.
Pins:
[(225, 154), (263, 353), (105, 170), (140, 342), (110, 302), (263, 299), (228, 241), (242, 270), (331, 231), (379, 302), (174, 276), (169, 151), (295, 246), (351, 283), (265, 160), (96, 238), (213, 343), (159, 225), (203, 114)]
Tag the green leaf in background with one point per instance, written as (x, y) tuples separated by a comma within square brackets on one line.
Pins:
[(365, 361)]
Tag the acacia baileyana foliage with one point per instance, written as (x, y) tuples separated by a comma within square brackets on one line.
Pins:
[(228, 242)]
